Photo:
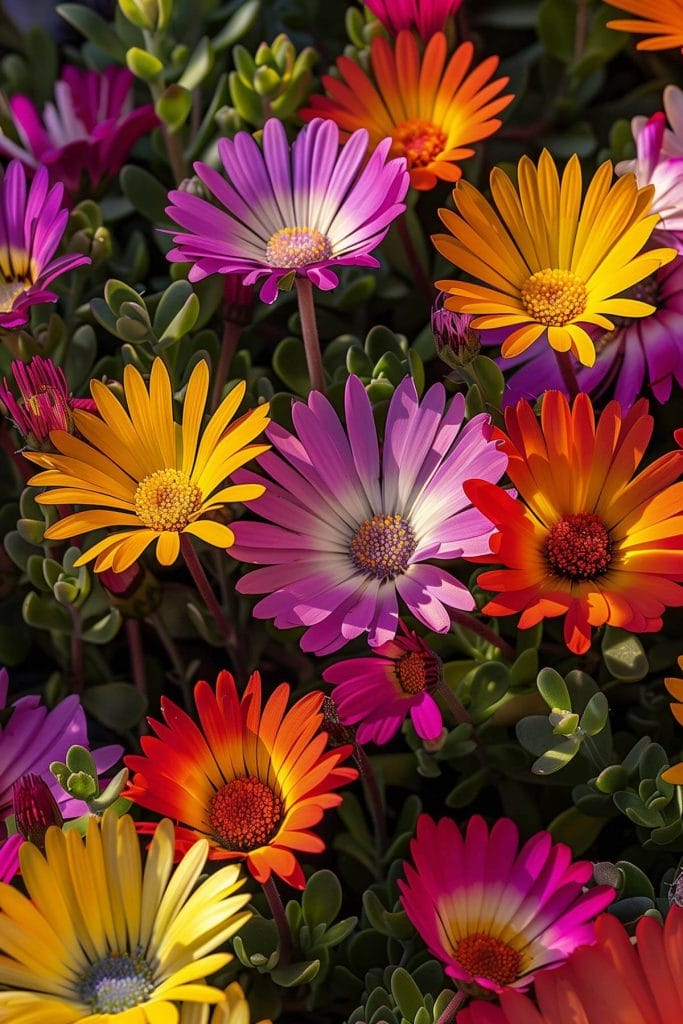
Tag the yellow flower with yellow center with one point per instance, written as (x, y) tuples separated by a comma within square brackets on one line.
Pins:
[(141, 472)]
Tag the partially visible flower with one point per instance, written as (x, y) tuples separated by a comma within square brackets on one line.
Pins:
[(304, 210), (672, 101), (432, 108), (233, 1010), (675, 687), (456, 342), (101, 937), (85, 135), (348, 532), (665, 173), (493, 913), (662, 22), (427, 16), (377, 693), (35, 809), (9, 857), (238, 301), (44, 403)]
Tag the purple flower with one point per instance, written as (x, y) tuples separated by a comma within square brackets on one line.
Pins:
[(283, 211), (45, 403), (350, 532), (31, 227), (427, 16), (9, 857), (86, 133)]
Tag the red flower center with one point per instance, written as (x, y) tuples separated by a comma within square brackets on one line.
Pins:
[(383, 546), (420, 142), (486, 957), (244, 814), (411, 672), (578, 547)]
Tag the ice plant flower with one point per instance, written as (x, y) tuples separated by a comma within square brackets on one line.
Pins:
[(9, 857), (233, 1010), (32, 223), (283, 211), (85, 135), (102, 937), (377, 693), (252, 779), (431, 107), (348, 532), (427, 16), (665, 173), (44, 403), (675, 688), (612, 980), (35, 809), (142, 471), (493, 913), (587, 537), (662, 22), (550, 264), (456, 343)]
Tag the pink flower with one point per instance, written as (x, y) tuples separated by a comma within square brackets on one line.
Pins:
[(427, 16), (9, 857), (44, 403)]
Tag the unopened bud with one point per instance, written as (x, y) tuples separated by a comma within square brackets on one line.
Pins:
[(457, 343), (147, 14), (35, 809), (338, 734), (432, 746), (238, 301), (194, 187)]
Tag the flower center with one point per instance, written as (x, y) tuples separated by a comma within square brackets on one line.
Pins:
[(486, 957), (383, 546), (554, 297), (410, 670), (167, 500), (9, 293), (245, 814), (297, 247), (578, 547), (116, 983), (420, 142)]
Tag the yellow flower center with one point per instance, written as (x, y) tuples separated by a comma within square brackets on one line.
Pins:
[(554, 297), (244, 814), (297, 247), (167, 500), (383, 546), (483, 956), (420, 142), (9, 293)]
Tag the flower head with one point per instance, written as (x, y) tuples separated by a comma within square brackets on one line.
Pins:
[(9, 857), (431, 109), (652, 166), (349, 533), (456, 342), (550, 264), (102, 937), (282, 211), (587, 538), (427, 16), (142, 471), (253, 780), (662, 21), (495, 914), (44, 403)]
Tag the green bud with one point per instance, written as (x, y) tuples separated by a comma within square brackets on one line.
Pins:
[(144, 65), (274, 82), (266, 81), (147, 14), (173, 106)]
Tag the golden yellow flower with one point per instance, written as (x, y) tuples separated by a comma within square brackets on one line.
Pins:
[(233, 1010)]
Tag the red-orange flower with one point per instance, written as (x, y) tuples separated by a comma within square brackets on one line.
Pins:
[(662, 21), (588, 539), (251, 780)]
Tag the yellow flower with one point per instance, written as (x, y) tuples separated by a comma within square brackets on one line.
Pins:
[(233, 1010), (103, 938), (549, 263), (142, 471)]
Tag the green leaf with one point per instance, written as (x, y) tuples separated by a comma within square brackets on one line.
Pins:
[(579, 831), (79, 759), (624, 655), (289, 362), (596, 715), (468, 789), (105, 629), (119, 706), (322, 898), (238, 25), (381, 340), (556, 27), (145, 192), (143, 65), (296, 974), (553, 689), (94, 28), (407, 995), (174, 106), (199, 65), (557, 757)]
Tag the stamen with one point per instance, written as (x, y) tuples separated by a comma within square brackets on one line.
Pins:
[(297, 247), (167, 500), (554, 297), (117, 982), (420, 142), (245, 814), (578, 548), (383, 546), (483, 956)]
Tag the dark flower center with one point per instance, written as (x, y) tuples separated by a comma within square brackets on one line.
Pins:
[(245, 814), (411, 672), (578, 547), (383, 546)]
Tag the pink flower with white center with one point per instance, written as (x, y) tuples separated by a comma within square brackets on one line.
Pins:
[(427, 16), (44, 403), (86, 134)]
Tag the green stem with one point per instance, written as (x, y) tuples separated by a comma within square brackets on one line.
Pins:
[(196, 570), (76, 649), (457, 1002), (373, 798), (566, 367), (171, 649), (485, 632), (229, 343), (272, 894), (309, 330), (425, 286)]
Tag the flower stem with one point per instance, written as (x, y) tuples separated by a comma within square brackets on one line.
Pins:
[(137, 656), (171, 649), (309, 329), (196, 570), (373, 798), (566, 367), (229, 343), (485, 632), (272, 894), (456, 1003), (76, 650), (423, 283)]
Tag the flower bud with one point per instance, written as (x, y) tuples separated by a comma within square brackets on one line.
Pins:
[(35, 809), (238, 301), (147, 14), (457, 343), (135, 591), (338, 734)]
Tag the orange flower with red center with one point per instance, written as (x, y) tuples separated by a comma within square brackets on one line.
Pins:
[(662, 20), (432, 108), (251, 780), (588, 538)]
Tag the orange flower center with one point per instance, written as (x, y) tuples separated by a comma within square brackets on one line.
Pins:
[(578, 547), (554, 297), (420, 142), (245, 814), (411, 672), (297, 247), (486, 957), (383, 546), (167, 500)]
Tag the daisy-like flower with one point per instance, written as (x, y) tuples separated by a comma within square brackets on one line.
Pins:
[(253, 780), (590, 539), (288, 211), (432, 108), (102, 937), (377, 693), (349, 533), (675, 688), (549, 263), (493, 913), (652, 166), (233, 1010), (44, 402), (32, 223), (85, 135), (141, 471), (612, 980), (9, 857), (661, 20), (427, 16)]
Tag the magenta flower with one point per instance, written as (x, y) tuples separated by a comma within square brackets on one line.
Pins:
[(9, 857), (427, 16), (45, 403), (31, 228), (350, 532), (303, 211), (494, 914), (85, 136)]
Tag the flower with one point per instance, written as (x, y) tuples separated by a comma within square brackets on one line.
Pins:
[(102, 938), (675, 687), (32, 223), (612, 980), (347, 534), (427, 16), (456, 343), (45, 403), (378, 692), (494, 914), (589, 539), (83, 137), (663, 21), (233, 1010), (665, 173), (672, 101), (9, 857), (303, 211), (35, 809), (431, 110), (252, 781), (142, 471), (550, 263)]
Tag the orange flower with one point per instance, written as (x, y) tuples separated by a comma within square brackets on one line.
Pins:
[(252, 781), (663, 20), (433, 110), (675, 688), (588, 539)]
